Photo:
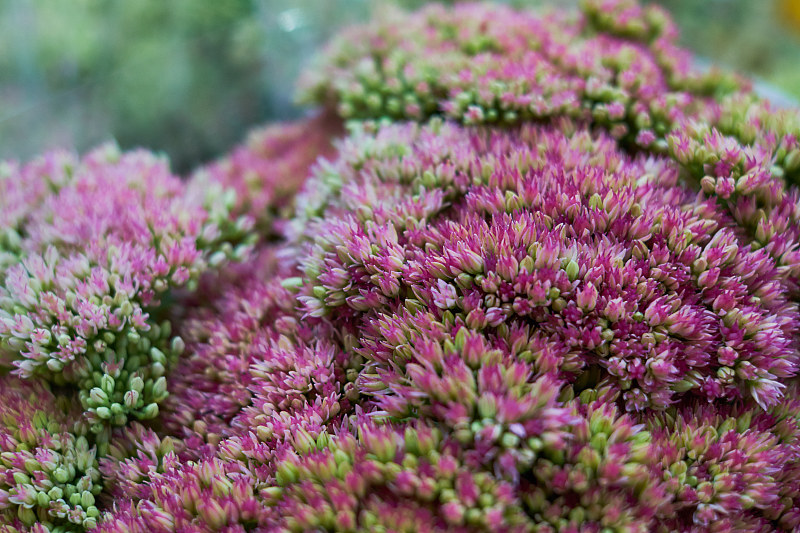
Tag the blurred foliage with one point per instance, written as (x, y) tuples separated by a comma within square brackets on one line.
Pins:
[(189, 77), (184, 76), (758, 37)]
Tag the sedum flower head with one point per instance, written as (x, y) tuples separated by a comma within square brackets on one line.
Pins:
[(549, 247), (136, 454), (615, 65), (80, 304), (206, 496), (22, 190), (730, 467), (246, 350), (379, 477)]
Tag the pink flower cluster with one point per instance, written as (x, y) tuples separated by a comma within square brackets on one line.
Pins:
[(547, 282), (615, 67), (616, 64), (555, 246), (49, 474), (98, 243)]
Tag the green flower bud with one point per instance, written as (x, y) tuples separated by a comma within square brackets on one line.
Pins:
[(160, 389), (133, 337), (272, 494), (126, 309), (136, 384), (573, 269), (107, 383), (509, 440), (55, 493), (98, 397), (157, 369), (42, 499), (87, 499), (150, 411), (61, 475), (54, 365), (21, 478), (286, 474), (157, 355), (26, 516), (177, 346), (131, 398)]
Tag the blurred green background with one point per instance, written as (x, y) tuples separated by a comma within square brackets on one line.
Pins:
[(189, 77)]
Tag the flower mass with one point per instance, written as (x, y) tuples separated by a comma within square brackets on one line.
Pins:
[(519, 272)]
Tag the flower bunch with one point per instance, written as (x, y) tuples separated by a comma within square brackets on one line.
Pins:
[(729, 467), (399, 479), (744, 156), (616, 64), (547, 282), (48, 470), (98, 246), (244, 346), (555, 247), (134, 456), (23, 189), (203, 497), (539, 327)]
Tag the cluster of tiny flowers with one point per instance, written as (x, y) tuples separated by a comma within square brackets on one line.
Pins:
[(242, 336), (23, 189), (730, 467), (746, 156), (615, 66), (48, 470), (548, 281), (209, 496), (553, 247), (80, 302)]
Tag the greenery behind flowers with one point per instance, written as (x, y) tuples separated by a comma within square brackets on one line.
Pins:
[(189, 77)]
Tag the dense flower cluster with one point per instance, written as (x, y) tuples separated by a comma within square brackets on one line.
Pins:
[(616, 67), (489, 64), (48, 470), (547, 282), (559, 248), (97, 244), (245, 345), (730, 468)]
